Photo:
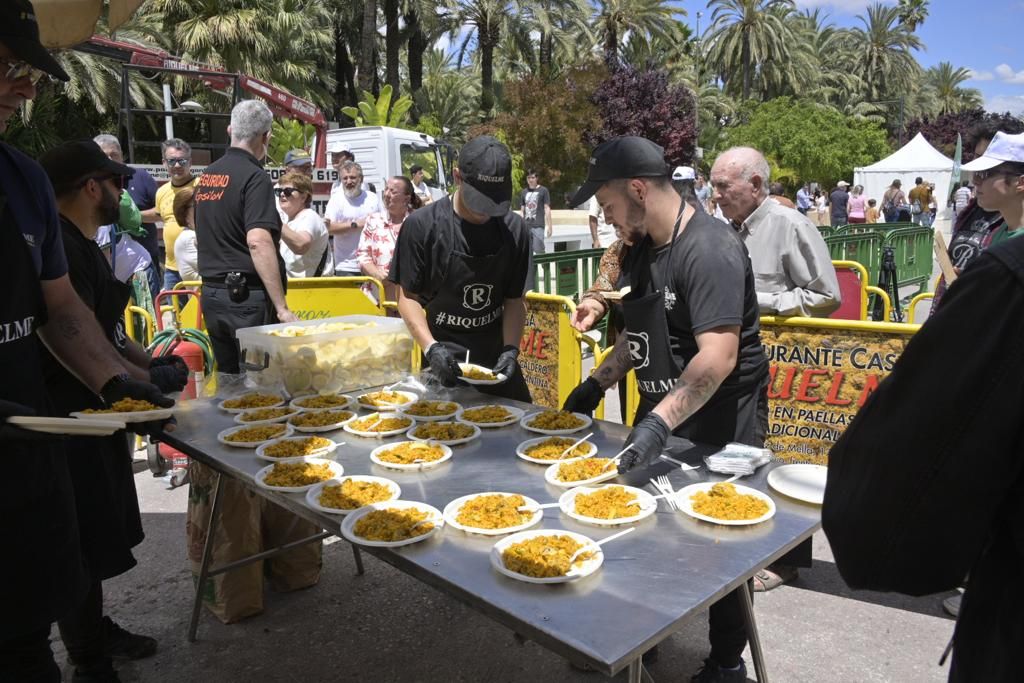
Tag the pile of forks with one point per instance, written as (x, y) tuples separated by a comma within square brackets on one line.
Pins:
[(665, 486)]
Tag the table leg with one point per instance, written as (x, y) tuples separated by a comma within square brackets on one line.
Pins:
[(204, 566), (760, 672), (635, 673), (359, 559)]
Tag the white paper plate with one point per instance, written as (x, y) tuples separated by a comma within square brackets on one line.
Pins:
[(446, 442), (375, 458), (288, 431), (551, 477), (575, 573), (431, 418), (387, 406), (336, 469), (297, 403), (567, 503), (803, 482), (273, 420), (134, 416), (84, 426), (319, 453), (220, 405), (348, 526), (380, 435), (515, 415), (686, 505), (480, 382), (326, 428), (451, 511), (555, 432), (313, 495), (521, 452)]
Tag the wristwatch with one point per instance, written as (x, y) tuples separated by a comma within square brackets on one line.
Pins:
[(355, 226)]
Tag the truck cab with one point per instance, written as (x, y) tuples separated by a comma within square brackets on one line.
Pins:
[(383, 152)]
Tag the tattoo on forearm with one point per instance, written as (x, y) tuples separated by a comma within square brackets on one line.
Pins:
[(689, 395), (69, 327), (616, 365)]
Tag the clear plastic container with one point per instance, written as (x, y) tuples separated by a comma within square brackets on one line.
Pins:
[(327, 356)]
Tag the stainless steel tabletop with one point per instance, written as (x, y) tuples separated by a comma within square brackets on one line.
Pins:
[(652, 579)]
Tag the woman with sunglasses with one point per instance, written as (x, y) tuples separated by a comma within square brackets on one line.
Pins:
[(304, 239), (380, 234), (999, 183)]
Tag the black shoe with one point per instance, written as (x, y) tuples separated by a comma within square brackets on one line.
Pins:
[(124, 645), (713, 673)]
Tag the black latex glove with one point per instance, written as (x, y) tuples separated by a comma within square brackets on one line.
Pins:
[(12, 432), (584, 398), (508, 363), (168, 373), (113, 392), (443, 364), (648, 440)]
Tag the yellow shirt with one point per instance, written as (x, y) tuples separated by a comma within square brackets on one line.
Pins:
[(165, 205), (871, 216)]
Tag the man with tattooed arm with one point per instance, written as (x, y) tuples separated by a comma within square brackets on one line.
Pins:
[(692, 336)]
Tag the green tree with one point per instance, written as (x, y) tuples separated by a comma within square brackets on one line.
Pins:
[(379, 111), (449, 96), (912, 13), (745, 33), (616, 18), (288, 135), (816, 142), (880, 51), (945, 80), (492, 23)]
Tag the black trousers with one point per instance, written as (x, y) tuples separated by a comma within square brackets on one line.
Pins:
[(27, 658), (224, 317), (84, 636)]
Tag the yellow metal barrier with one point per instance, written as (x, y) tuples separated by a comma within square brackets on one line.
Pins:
[(914, 302), (129, 324)]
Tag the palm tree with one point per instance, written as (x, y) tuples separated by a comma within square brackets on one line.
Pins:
[(913, 13), (561, 27), (745, 34), (448, 94), (491, 23), (880, 53), (616, 18), (945, 80), (368, 47)]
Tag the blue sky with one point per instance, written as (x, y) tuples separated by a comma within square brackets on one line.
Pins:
[(982, 35)]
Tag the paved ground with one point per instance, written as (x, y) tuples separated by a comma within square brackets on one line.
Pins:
[(385, 626)]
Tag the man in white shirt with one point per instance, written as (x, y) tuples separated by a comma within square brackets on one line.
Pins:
[(345, 216), (419, 185), (603, 234), (961, 198)]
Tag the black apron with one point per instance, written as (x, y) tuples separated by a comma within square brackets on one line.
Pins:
[(41, 577), (466, 313), (658, 361), (109, 521)]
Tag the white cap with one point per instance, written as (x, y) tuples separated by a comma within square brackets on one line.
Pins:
[(1002, 149), (842, 183), (684, 173), (341, 147)]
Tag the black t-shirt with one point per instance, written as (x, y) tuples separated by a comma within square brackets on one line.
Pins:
[(839, 199), (711, 284), (430, 235), (233, 196), (142, 189), (533, 203)]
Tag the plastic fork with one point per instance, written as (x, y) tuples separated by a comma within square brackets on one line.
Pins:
[(593, 546), (663, 484)]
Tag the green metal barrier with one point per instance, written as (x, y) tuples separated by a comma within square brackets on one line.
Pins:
[(566, 273), (881, 228), (864, 248), (912, 248), (826, 230)]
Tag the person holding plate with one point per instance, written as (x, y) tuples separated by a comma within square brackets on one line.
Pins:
[(460, 264), (691, 334)]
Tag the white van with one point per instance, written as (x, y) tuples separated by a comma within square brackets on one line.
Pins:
[(383, 152)]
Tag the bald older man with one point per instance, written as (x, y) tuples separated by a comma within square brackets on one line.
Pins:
[(793, 272)]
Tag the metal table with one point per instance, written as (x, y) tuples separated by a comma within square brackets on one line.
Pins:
[(652, 580)]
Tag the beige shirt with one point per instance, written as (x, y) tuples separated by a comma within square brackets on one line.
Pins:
[(793, 272)]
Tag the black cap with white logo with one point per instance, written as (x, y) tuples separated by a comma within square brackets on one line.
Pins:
[(624, 157), (20, 33), (71, 162), (486, 168)]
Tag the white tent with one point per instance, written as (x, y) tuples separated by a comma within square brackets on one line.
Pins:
[(916, 159)]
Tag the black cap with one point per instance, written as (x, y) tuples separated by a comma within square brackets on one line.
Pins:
[(20, 33), (625, 157), (70, 162), (486, 168)]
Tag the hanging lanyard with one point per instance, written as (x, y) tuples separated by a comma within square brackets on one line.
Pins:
[(671, 244)]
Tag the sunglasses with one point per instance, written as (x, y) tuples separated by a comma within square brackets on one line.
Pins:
[(285, 191), (177, 162), (17, 69)]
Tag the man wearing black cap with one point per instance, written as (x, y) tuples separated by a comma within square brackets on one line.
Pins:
[(692, 336), (88, 188), (465, 259), (44, 577)]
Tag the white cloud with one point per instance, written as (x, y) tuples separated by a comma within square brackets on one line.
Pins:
[(1006, 74), (1003, 103), (980, 75), (842, 6)]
